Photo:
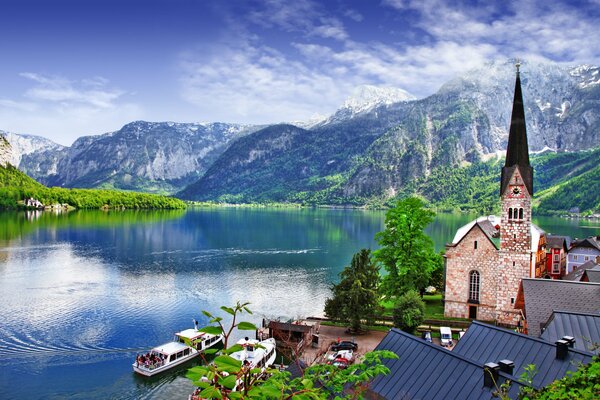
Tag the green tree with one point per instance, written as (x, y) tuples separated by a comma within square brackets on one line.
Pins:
[(356, 296), (409, 311), (406, 252)]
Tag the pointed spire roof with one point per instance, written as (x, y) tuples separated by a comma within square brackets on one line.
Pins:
[(517, 152)]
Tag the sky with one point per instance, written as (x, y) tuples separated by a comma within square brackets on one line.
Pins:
[(71, 68)]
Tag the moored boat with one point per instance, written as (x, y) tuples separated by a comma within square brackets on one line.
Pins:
[(187, 345)]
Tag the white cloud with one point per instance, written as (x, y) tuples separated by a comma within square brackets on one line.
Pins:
[(92, 92), (302, 16), (63, 109)]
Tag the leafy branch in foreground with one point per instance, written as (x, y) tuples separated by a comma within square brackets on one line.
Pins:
[(229, 378)]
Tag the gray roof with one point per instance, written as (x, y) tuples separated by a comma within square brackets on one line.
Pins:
[(585, 328), (556, 242), (576, 274), (485, 343), (427, 371), (543, 296), (593, 275), (591, 242)]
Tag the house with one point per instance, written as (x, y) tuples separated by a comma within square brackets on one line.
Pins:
[(583, 251), (583, 327), (488, 257), (556, 256), (593, 274), (539, 298)]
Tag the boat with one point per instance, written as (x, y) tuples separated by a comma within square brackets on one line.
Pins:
[(254, 354), (186, 345)]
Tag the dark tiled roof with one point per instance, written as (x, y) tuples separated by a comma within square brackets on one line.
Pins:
[(556, 242), (517, 151), (428, 371), (489, 229), (585, 328), (485, 343), (543, 296), (591, 242)]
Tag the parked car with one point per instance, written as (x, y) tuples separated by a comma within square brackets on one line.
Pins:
[(346, 354), (344, 345), (446, 336), (341, 363), (427, 336)]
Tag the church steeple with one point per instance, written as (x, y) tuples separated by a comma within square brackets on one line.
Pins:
[(517, 152)]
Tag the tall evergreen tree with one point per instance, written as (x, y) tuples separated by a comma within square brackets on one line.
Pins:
[(406, 252), (356, 296)]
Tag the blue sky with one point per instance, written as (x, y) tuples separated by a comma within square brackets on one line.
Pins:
[(82, 67)]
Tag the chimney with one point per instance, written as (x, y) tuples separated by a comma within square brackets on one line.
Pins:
[(570, 340), (562, 349), (507, 366), (490, 374)]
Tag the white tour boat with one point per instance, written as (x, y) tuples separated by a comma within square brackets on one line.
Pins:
[(255, 354), (187, 345)]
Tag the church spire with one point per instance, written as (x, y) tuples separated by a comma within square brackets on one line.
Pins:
[(517, 152)]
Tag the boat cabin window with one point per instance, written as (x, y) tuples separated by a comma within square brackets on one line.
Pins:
[(186, 352), (180, 354), (250, 347), (172, 358)]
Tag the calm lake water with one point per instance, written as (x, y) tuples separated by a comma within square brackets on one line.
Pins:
[(82, 292)]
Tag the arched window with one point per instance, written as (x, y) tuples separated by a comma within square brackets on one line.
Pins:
[(474, 282), (520, 213), (510, 213)]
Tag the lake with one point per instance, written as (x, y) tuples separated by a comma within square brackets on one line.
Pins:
[(83, 292)]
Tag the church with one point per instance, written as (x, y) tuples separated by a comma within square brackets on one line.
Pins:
[(488, 257)]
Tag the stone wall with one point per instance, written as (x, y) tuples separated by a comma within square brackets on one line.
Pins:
[(463, 258)]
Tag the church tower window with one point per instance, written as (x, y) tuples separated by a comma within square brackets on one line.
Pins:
[(520, 213), (474, 281)]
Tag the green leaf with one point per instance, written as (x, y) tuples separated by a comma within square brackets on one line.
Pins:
[(215, 320), (211, 393), (246, 326), (228, 364), (247, 310), (211, 351), (209, 315), (213, 330), (228, 382), (228, 310), (233, 349)]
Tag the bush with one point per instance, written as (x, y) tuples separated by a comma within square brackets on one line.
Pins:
[(409, 311)]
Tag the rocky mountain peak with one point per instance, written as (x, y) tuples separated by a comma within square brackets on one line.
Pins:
[(367, 97), (5, 151)]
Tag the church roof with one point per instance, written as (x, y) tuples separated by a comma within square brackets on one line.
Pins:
[(517, 152), (488, 226)]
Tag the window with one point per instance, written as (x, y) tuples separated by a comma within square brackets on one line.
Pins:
[(556, 257), (520, 213), (475, 245), (586, 258), (510, 216), (474, 286), (574, 258), (555, 268)]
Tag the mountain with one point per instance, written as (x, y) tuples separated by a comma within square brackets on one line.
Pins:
[(156, 157), (361, 155), (5, 151)]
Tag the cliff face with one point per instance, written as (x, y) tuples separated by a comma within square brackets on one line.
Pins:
[(145, 156), (5, 151)]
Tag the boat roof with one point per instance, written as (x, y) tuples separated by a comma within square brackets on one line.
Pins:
[(194, 334), (170, 348), (258, 353)]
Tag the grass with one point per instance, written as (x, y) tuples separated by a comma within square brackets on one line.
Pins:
[(380, 328), (434, 309)]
